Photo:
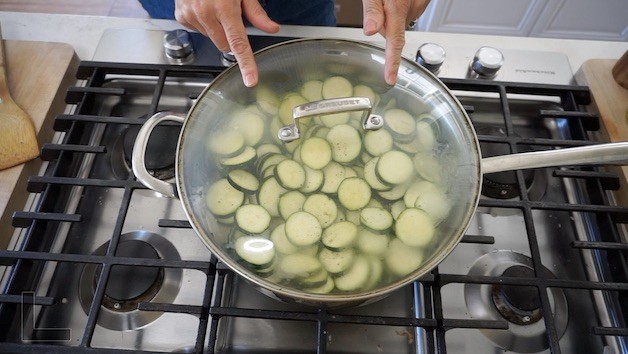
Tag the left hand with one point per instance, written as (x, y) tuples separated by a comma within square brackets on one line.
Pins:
[(389, 18)]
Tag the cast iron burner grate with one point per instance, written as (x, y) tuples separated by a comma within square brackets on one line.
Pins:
[(55, 185)]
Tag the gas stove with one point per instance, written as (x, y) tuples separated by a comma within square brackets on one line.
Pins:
[(103, 264)]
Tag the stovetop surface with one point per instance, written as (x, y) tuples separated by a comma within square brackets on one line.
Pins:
[(92, 219)]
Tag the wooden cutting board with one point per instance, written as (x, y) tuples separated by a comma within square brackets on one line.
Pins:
[(38, 74), (610, 100)]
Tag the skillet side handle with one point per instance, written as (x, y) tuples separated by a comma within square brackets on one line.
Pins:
[(601, 154), (139, 152)]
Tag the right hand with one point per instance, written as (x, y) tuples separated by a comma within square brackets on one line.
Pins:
[(221, 21)]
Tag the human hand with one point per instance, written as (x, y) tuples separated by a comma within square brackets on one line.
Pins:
[(221, 21), (389, 18)]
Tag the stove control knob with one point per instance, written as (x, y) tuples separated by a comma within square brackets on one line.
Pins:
[(229, 57), (487, 61), (430, 56), (178, 44)]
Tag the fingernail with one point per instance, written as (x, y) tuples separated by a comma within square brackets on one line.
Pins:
[(370, 27), (391, 78), (249, 80)]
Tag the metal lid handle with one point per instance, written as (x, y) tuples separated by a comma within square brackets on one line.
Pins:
[(331, 106)]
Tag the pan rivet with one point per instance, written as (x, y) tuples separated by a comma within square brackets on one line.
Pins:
[(375, 120), (286, 133)]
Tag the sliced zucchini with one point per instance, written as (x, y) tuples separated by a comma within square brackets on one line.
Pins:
[(325, 288), (268, 195), (376, 219), (266, 99), (312, 90), (396, 208), (246, 157), (394, 167), (290, 174), (365, 91), (322, 207), (267, 149), (303, 229), (417, 189), (340, 235), (252, 218), (337, 86), (396, 193), (377, 142), (355, 277), (400, 123), (425, 136), (315, 280), (414, 227), (354, 193), (269, 160), (371, 177), (332, 120), (258, 251), (313, 180), (334, 174), (280, 240), (372, 243), (298, 265), (286, 107), (290, 203), (435, 203), (402, 260), (336, 262), (251, 126), (376, 272), (226, 143), (316, 153), (243, 180), (222, 199), (350, 172), (345, 142), (428, 167)]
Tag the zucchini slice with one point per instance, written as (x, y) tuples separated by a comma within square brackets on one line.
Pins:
[(414, 227), (252, 218), (322, 207), (258, 251), (303, 229), (400, 123), (243, 180), (266, 99), (376, 219), (298, 265), (316, 153), (394, 167), (435, 203), (267, 149), (372, 243), (336, 262), (354, 193), (226, 143), (334, 174), (313, 180), (355, 277), (290, 203), (371, 177), (268, 195), (312, 90), (425, 137), (402, 260), (377, 142), (251, 126), (247, 156), (286, 107), (345, 142), (280, 240), (325, 288), (290, 174), (428, 167), (340, 235), (337, 86), (222, 199)]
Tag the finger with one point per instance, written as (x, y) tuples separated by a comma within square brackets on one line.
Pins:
[(241, 49), (254, 12), (395, 40), (373, 13)]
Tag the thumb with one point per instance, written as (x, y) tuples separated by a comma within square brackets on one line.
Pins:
[(373, 16)]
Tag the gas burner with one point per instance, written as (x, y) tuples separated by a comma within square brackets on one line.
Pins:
[(519, 305), (501, 185), (160, 152), (127, 286)]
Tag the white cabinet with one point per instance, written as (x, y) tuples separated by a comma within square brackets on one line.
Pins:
[(577, 19)]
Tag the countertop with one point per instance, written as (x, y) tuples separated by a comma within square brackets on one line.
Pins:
[(84, 32)]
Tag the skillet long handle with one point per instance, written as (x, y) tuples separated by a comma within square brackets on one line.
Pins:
[(601, 154)]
